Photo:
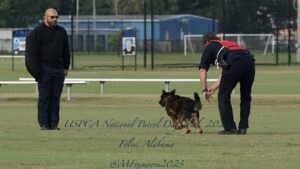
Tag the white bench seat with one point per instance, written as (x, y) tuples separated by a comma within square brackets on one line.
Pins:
[(68, 83), (103, 80)]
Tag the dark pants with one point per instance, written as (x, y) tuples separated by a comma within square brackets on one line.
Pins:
[(50, 88), (241, 70)]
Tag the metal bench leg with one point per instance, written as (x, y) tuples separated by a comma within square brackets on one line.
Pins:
[(102, 87), (69, 92), (167, 83)]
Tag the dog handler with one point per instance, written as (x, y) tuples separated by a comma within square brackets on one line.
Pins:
[(238, 66)]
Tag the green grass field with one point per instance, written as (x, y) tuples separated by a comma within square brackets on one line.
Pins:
[(120, 128)]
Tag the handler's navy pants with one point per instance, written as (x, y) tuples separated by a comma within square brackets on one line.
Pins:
[(50, 88), (241, 70)]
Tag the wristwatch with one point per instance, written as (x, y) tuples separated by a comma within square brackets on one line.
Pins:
[(204, 90)]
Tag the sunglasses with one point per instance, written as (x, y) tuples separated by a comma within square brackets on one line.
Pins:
[(52, 17)]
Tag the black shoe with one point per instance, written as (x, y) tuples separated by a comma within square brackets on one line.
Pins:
[(242, 131), (228, 132), (44, 128), (55, 128)]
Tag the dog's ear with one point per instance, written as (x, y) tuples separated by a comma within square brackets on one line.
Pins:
[(173, 91)]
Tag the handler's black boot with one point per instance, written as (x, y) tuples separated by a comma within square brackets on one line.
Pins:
[(44, 128), (55, 128), (242, 131), (228, 132)]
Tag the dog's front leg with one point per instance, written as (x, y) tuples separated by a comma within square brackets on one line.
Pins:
[(184, 124), (175, 122)]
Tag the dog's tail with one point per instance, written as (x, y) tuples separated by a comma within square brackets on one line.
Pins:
[(198, 105)]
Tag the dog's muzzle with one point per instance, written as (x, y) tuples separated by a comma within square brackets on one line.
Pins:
[(162, 103)]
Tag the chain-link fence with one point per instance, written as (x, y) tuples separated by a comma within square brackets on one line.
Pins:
[(266, 27), (100, 51)]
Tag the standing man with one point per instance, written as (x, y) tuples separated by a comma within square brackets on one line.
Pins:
[(47, 60), (237, 67)]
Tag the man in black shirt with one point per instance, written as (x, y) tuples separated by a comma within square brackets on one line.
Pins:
[(237, 67), (47, 59)]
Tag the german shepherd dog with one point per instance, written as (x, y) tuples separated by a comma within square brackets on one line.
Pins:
[(182, 110)]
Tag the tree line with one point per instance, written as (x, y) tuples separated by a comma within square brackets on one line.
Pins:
[(233, 16)]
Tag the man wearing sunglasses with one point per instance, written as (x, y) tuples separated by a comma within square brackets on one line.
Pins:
[(47, 59)]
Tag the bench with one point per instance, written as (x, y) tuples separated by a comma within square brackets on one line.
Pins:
[(68, 83), (103, 80), (165, 81)]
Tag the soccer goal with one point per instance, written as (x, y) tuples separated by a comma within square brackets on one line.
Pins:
[(257, 43)]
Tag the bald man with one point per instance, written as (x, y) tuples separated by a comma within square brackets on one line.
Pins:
[(47, 59)]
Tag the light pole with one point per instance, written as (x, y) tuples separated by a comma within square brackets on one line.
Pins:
[(152, 35), (94, 15), (214, 16), (298, 32), (72, 33), (289, 31), (224, 24), (145, 33), (116, 6)]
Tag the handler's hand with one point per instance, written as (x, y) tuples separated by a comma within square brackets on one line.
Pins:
[(207, 95), (66, 71)]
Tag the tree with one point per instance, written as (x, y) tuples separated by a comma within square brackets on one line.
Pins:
[(4, 10), (255, 16), (130, 7), (65, 6), (23, 13), (234, 16)]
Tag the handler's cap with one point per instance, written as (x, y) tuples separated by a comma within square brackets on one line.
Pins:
[(208, 36)]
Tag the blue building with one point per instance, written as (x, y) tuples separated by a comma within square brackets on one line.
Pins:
[(93, 30)]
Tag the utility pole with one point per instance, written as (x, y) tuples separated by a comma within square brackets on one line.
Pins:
[(72, 33), (116, 6), (214, 16), (298, 31), (277, 32), (289, 31), (152, 35), (94, 15), (145, 33), (77, 24), (224, 24), (77, 14)]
